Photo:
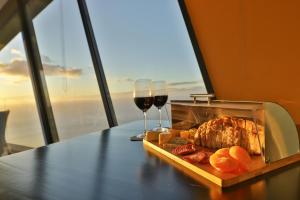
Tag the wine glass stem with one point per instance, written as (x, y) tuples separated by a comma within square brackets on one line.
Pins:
[(159, 110), (145, 122)]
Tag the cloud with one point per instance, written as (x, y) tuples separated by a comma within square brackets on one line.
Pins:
[(17, 71), (16, 52), (125, 80), (55, 70), (183, 83), (18, 55), (121, 80)]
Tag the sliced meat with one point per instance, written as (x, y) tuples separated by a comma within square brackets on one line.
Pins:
[(207, 156), (195, 157), (184, 149)]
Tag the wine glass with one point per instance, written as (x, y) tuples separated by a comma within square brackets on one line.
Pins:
[(160, 93), (143, 100)]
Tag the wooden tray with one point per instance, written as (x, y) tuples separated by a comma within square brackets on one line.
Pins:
[(206, 171)]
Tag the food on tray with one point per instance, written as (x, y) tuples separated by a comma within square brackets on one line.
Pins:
[(188, 134), (170, 146), (229, 131), (164, 138), (231, 159), (184, 149), (195, 157), (223, 151), (152, 136), (167, 138), (174, 132), (206, 159), (235, 138), (223, 163), (199, 156), (241, 155), (179, 140)]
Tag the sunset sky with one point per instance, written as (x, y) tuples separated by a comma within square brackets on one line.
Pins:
[(136, 39)]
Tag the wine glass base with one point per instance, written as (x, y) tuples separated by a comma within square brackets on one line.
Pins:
[(160, 129)]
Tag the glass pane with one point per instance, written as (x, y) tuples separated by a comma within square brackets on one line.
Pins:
[(144, 39), (23, 129), (70, 75)]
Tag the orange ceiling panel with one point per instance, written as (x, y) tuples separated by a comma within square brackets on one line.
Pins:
[(251, 49)]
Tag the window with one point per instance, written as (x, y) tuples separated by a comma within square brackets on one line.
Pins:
[(144, 39), (136, 39), (23, 129), (70, 75)]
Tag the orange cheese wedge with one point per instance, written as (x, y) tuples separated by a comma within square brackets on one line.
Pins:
[(241, 155), (223, 163), (233, 159)]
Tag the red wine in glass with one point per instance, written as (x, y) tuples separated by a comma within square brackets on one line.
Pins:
[(160, 100), (160, 93), (143, 99), (143, 103)]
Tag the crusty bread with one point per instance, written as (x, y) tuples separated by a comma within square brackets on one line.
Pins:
[(229, 131)]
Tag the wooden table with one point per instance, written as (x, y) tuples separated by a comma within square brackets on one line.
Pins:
[(106, 165)]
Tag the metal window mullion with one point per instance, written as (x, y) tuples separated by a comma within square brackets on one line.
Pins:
[(37, 76), (196, 47), (99, 71)]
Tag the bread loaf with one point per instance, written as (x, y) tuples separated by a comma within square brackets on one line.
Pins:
[(229, 131)]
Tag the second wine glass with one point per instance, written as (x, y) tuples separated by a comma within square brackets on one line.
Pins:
[(160, 94)]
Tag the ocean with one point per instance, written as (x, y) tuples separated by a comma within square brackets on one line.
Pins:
[(77, 117)]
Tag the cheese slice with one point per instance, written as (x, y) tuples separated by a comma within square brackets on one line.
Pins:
[(179, 140), (152, 136), (164, 138), (185, 134), (174, 132)]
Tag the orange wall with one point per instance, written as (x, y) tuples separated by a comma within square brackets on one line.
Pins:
[(251, 49)]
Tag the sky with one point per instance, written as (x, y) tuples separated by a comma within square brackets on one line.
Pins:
[(136, 39)]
